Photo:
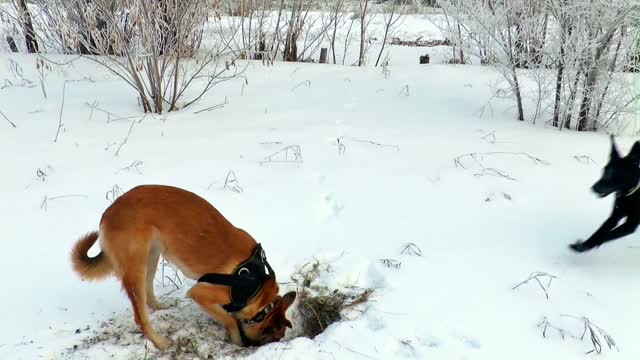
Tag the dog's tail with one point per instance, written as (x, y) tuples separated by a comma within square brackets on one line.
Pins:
[(90, 268)]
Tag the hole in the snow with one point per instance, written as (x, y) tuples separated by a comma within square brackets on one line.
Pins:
[(318, 306)]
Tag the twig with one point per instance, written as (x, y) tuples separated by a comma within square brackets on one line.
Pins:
[(6, 118), (595, 335), (306, 82), (341, 147), (545, 324), (109, 114), (292, 154), (390, 263), (231, 182), (113, 193), (377, 144), (134, 165), (458, 161), (411, 249), (124, 141), (536, 276), (584, 159), (64, 87), (494, 172), (214, 107), (490, 137), (45, 202)]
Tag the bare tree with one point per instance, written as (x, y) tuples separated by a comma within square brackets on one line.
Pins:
[(476, 20), (364, 18), (392, 16), (27, 26)]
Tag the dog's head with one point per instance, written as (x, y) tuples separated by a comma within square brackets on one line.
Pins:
[(621, 174), (263, 320), (268, 323)]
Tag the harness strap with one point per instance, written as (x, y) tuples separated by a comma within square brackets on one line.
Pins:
[(246, 280)]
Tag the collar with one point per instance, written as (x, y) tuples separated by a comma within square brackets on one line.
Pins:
[(245, 339), (245, 281)]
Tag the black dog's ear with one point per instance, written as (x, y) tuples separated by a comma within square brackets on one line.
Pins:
[(634, 154), (615, 155)]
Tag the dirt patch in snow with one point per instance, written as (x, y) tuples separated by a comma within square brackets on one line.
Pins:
[(194, 334)]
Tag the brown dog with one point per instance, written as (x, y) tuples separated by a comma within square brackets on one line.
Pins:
[(236, 286)]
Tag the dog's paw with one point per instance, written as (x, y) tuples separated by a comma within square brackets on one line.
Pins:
[(155, 306), (162, 343), (579, 246)]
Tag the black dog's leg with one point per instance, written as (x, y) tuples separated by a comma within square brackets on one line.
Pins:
[(602, 235)]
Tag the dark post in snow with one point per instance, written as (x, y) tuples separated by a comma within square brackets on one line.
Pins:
[(27, 25), (12, 44), (323, 55)]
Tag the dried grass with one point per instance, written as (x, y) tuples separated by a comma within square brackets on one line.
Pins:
[(318, 306)]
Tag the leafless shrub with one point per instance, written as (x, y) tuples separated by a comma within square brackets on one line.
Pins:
[(537, 276), (153, 46)]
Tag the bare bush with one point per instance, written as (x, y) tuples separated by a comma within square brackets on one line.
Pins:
[(154, 46)]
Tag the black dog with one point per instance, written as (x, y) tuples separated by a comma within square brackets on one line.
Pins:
[(622, 176)]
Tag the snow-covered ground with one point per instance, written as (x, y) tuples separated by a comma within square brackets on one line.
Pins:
[(381, 165)]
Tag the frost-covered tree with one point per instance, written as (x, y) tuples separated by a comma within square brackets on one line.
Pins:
[(577, 47)]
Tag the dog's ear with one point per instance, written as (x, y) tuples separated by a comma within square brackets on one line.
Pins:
[(615, 155), (634, 154)]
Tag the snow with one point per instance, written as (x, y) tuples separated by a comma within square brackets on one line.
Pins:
[(393, 182)]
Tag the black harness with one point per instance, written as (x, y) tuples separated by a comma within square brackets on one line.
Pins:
[(245, 281)]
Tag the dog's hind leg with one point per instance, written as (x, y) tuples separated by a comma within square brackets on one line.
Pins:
[(134, 285), (152, 267)]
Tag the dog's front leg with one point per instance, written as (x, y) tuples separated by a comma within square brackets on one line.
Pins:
[(600, 235), (629, 226), (210, 299)]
